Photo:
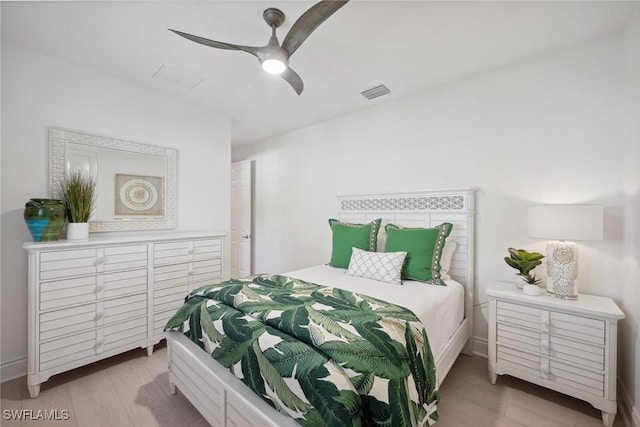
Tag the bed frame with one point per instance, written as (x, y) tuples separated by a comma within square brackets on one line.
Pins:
[(224, 400)]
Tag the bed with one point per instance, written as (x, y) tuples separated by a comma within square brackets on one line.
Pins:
[(445, 311)]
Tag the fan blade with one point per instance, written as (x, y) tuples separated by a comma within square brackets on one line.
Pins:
[(219, 45), (308, 22), (293, 79)]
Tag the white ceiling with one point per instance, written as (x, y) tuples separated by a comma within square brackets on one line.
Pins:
[(409, 46)]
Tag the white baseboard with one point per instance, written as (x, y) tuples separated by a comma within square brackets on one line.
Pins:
[(480, 347), (628, 410), (13, 369)]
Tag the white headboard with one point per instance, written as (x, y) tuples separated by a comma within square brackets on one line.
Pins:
[(424, 209)]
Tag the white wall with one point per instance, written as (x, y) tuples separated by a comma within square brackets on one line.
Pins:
[(549, 130), (39, 92), (630, 328)]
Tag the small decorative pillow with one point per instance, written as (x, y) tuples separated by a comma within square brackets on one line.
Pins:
[(347, 236), (381, 266), (445, 261), (424, 247)]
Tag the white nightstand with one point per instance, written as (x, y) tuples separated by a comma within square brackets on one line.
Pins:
[(567, 346)]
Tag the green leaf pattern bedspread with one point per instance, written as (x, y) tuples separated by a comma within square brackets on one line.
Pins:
[(322, 355)]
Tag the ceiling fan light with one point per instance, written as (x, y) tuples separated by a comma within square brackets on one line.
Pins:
[(273, 66)]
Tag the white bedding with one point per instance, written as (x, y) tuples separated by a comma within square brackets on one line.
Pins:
[(440, 308)]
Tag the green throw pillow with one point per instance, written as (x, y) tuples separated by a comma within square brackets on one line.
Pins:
[(424, 249), (347, 236)]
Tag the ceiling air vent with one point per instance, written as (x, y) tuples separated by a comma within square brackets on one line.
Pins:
[(176, 76), (375, 92)]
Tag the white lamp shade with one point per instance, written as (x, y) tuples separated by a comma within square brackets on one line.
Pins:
[(566, 222)]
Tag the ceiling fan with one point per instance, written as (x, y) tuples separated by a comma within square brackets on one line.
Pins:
[(274, 57)]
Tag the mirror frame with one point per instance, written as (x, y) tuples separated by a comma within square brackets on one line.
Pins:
[(58, 140)]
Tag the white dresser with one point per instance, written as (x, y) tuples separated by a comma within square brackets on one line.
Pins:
[(567, 346), (93, 299)]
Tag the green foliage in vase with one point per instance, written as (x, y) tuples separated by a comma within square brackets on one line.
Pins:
[(524, 262), (78, 196)]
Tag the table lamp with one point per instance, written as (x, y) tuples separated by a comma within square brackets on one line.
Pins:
[(564, 223)]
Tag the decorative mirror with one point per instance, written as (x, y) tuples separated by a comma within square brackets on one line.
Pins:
[(136, 183)]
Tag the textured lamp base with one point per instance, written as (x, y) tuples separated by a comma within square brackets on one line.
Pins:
[(562, 270)]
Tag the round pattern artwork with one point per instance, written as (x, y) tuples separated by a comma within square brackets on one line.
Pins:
[(138, 194)]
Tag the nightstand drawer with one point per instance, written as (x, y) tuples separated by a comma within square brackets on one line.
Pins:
[(577, 353), (577, 378), (519, 360), (577, 327), (517, 337), (520, 315)]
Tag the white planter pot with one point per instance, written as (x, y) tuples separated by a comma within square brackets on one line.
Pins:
[(531, 289), (519, 281), (78, 231)]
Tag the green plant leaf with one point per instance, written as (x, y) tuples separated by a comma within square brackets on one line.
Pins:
[(381, 341), (78, 196), (377, 412), (362, 357), (291, 354), (330, 324), (351, 402), (322, 395), (277, 384), (251, 373), (416, 365), (363, 382), (183, 313), (294, 322), (207, 325), (399, 403)]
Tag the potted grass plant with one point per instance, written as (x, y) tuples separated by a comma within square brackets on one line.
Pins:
[(525, 262), (78, 198)]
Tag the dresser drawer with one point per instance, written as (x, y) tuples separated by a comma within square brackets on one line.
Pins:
[(206, 272), (125, 283), (78, 262), (173, 294), (518, 337), (180, 252), (68, 292), (123, 333), (67, 321), (170, 275), (171, 253), (207, 249), (64, 350), (120, 309), (119, 258)]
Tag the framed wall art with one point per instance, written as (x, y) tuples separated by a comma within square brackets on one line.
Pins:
[(139, 195)]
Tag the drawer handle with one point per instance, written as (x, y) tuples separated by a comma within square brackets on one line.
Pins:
[(98, 261), (191, 251), (190, 273), (99, 316)]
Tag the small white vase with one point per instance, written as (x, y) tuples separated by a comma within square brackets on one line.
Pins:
[(519, 281), (531, 289), (78, 231)]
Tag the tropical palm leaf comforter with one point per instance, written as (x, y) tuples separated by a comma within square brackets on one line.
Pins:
[(322, 355)]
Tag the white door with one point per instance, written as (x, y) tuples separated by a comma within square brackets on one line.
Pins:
[(241, 219)]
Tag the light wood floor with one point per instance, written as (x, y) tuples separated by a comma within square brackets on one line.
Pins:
[(132, 390)]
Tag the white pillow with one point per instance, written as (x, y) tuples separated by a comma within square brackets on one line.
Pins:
[(445, 260), (381, 266)]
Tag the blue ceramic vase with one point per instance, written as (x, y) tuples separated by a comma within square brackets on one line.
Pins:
[(45, 218)]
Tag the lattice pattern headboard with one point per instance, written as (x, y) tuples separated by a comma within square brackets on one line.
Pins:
[(424, 209)]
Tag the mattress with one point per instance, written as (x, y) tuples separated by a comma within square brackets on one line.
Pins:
[(439, 308)]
